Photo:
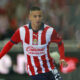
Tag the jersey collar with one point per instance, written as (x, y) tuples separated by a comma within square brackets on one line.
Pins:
[(41, 27)]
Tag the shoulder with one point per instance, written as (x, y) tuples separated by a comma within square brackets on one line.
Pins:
[(24, 26), (22, 29), (48, 27)]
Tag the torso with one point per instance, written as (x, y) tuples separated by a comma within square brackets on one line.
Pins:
[(36, 49)]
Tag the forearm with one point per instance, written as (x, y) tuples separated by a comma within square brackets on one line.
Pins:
[(61, 50), (6, 48)]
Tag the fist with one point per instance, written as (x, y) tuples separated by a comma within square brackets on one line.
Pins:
[(63, 63)]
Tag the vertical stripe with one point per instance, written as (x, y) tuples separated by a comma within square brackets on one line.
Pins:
[(48, 34), (43, 36), (27, 35), (37, 64), (30, 66), (34, 42), (28, 39), (31, 36), (39, 37), (45, 63), (29, 72), (50, 62), (22, 33), (33, 64), (41, 64)]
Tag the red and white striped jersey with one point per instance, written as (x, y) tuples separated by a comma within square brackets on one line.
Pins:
[(36, 47)]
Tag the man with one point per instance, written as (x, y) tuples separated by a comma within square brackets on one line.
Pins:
[(36, 37)]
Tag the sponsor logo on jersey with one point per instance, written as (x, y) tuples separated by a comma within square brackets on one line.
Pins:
[(35, 50)]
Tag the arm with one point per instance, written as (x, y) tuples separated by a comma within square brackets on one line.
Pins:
[(6, 48), (57, 39), (14, 40)]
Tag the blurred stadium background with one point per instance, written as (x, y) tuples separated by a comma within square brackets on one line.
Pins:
[(63, 15)]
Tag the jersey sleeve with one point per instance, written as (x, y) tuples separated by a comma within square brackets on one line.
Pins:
[(16, 37), (6, 48), (14, 40), (55, 37)]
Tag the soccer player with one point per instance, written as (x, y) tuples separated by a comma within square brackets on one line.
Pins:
[(35, 38)]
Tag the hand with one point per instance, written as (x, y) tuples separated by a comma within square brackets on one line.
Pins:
[(63, 63)]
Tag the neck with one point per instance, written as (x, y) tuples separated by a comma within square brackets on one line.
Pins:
[(35, 28)]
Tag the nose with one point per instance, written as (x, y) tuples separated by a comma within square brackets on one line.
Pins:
[(38, 18)]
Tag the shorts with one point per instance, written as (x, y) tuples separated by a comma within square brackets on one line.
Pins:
[(56, 74), (52, 75), (44, 76)]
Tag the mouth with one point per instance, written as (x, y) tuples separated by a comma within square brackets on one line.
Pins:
[(38, 22)]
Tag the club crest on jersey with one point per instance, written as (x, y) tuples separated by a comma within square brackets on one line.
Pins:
[(35, 41)]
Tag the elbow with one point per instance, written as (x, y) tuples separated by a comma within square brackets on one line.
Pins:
[(60, 43)]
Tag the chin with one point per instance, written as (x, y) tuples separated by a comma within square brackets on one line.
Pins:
[(37, 24)]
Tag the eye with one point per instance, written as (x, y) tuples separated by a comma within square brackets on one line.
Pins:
[(40, 16), (35, 16)]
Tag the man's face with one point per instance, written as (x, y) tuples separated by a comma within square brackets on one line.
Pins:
[(36, 18)]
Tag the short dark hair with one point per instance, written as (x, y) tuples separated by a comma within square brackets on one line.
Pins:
[(35, 8)]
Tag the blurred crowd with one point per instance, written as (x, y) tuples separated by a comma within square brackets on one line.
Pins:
[(63, 15)]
